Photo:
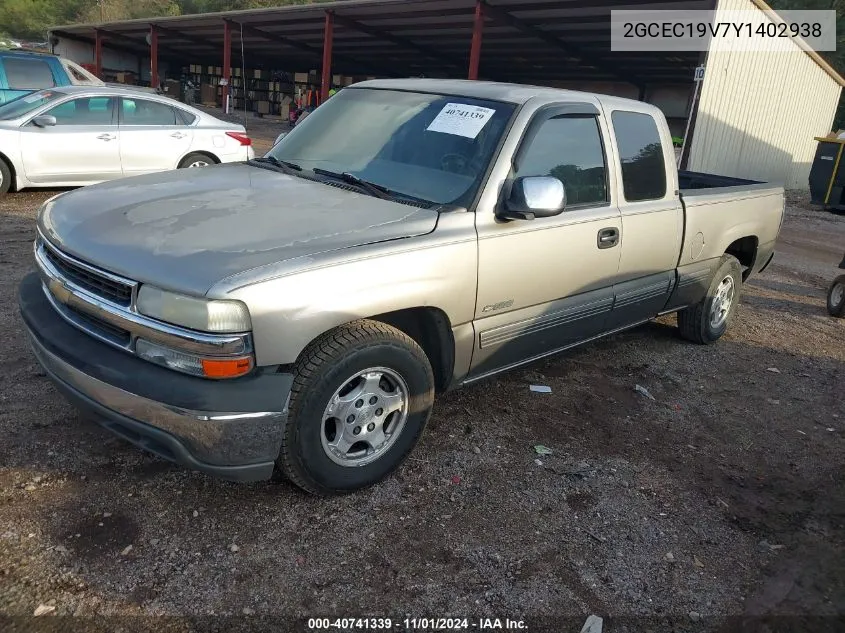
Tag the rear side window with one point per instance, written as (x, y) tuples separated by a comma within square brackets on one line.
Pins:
[(185, 117), (570, 149), (641, 154), (28, 74), (143, 112)]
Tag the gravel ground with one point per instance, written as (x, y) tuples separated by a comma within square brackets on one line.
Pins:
[(723, 496)]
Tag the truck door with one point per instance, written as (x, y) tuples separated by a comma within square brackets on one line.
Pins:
[(547, 283), (652, 217)]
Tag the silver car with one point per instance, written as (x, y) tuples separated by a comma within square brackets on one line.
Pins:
[(79, 135)]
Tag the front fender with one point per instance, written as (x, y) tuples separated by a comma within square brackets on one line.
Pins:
[(294, 307)]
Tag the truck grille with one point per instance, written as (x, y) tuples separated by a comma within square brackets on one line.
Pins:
[(97, 284)]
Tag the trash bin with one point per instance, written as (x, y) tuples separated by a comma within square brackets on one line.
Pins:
[(827, 175)]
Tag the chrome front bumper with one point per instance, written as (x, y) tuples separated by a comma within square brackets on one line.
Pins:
[(151, 407)]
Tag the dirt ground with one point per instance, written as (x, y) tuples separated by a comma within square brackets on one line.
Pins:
[(724, 496)]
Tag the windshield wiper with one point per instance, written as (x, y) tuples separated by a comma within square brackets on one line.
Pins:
[(283, 166), (370, 187)]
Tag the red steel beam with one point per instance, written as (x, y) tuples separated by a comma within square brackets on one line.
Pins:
[(477, 32), (328, 37), (153, 56), (98, 54), (227, 63)]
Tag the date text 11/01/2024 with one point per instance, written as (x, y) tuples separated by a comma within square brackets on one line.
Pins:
[(416, 624)]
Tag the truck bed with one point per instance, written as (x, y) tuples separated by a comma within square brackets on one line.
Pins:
[(719, 210), (699, 180)]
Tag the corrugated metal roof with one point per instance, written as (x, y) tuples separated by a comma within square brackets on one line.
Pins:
[(523, 41)]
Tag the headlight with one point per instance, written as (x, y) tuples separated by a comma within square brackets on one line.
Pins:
[(205, 315)]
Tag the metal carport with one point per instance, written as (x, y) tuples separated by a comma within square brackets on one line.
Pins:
[(528, 41), (751, 122)]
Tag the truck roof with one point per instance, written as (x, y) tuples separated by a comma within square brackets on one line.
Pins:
[(496, 91)]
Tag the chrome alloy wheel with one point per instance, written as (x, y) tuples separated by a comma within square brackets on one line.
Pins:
[(720, 306), (837, 294), (365, 416)]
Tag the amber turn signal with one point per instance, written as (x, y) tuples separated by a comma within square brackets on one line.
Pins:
[(226, 368)]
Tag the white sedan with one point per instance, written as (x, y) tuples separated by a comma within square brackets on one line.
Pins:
[(79, 135)]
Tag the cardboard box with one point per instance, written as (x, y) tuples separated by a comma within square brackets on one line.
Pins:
[(261, 74), (284, 111), (208, 93), (263, 107), (236, 72), (300, 78)]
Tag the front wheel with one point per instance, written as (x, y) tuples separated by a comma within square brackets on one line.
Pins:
[(706, 321), (361, 397), (836, 297), (196, 160)]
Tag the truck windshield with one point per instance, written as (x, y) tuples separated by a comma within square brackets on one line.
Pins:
[(22, 106), (426, 146)]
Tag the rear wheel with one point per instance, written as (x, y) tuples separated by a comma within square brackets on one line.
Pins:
[(196, 160), (836, 297), (5, 177), (360, 400), (707, 320)]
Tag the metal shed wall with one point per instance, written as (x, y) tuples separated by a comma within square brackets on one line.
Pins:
[(759, 111)]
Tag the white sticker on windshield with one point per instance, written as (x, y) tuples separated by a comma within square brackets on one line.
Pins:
[(461, 119)]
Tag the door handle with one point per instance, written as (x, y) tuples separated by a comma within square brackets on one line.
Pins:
[(106, 137), (178, 135), (608, 238)]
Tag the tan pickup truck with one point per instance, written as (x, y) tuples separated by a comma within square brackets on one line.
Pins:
[(299, 311)]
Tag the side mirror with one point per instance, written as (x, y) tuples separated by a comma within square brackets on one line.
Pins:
[(533, 197), (44, 120), (280, 137)]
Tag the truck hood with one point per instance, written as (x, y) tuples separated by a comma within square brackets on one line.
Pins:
[(186, 230)]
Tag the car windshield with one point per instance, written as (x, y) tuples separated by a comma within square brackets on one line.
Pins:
[(431, 147), (22, 106)]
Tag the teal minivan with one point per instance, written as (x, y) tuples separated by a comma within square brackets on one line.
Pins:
[(22, 72)]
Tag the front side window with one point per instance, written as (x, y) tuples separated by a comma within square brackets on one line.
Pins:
[(641, 155), (143, 112), (84, 111), (28, 74), (429, 146), (570, 149)]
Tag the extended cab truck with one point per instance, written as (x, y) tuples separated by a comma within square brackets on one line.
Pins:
[(301, 310)]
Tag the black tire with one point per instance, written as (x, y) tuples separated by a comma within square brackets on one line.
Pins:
[(5, 177), (836, 297), (695, 322), (196, 157), (325, 367)]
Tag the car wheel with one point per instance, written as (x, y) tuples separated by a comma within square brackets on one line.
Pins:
[(361, 397), (706, 321), (5, 177), (836, 297), (196, 160)]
